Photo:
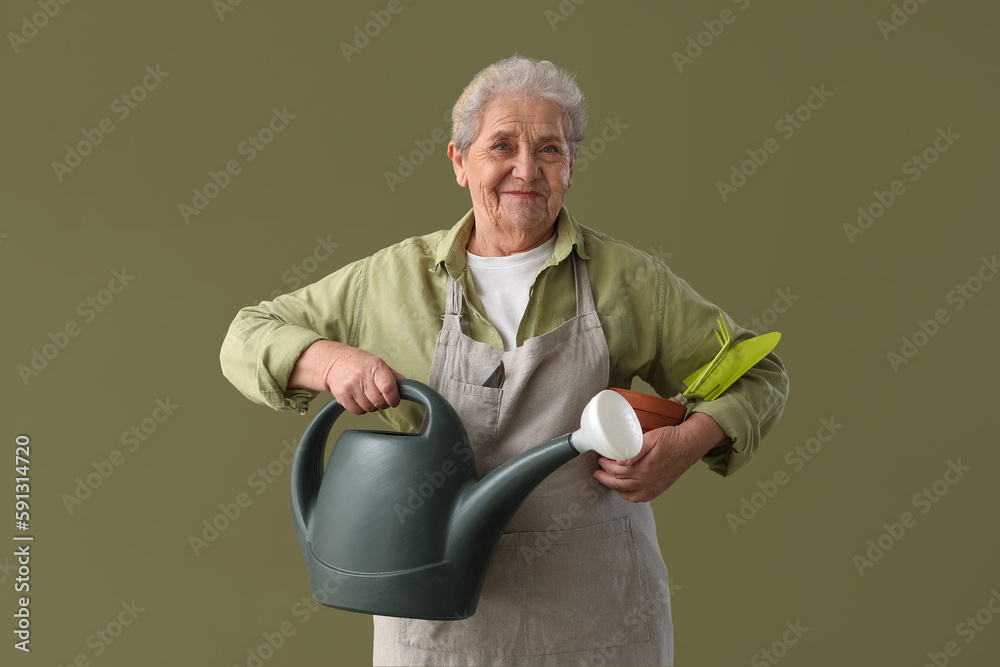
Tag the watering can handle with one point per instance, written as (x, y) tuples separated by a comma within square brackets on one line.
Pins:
[(307, 466)]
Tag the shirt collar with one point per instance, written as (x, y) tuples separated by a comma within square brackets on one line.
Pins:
[(451, 249)]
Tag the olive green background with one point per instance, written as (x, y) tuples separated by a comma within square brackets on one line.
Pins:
[(654, 186)]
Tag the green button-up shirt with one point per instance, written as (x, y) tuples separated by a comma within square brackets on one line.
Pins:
[(390, 304)]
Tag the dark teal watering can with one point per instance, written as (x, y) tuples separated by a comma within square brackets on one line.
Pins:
[(398, 525)]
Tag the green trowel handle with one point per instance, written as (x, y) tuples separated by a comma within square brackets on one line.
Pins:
[(307, 466)]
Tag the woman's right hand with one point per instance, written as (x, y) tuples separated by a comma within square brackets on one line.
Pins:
[(359, 380)]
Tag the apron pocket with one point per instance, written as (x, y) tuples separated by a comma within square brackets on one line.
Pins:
[(480, 410), (582, 588)]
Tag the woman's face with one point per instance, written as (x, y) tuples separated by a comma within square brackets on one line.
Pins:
[(518, 168)]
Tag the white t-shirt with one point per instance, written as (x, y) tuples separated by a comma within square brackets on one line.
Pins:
[(502, 284)]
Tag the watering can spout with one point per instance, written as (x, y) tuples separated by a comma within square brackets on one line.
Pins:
[(608, 426), (486, 507)]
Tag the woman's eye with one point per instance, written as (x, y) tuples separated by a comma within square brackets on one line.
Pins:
[(551, 149), (502, 146)]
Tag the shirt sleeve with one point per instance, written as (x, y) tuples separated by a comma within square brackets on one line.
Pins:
[(264, 341), (751, 406)]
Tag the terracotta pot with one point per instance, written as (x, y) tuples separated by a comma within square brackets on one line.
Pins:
[(653, 412)]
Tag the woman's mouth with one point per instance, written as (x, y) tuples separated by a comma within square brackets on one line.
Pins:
[(522, 195)]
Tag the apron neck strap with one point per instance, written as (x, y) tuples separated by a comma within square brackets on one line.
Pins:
[(452, 318), (584, 295)]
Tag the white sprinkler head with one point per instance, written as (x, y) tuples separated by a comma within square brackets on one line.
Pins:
[(609, 427)]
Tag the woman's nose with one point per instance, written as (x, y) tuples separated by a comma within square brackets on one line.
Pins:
[(526, 167)]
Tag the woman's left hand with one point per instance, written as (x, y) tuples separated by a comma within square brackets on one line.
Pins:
[(666, 453)]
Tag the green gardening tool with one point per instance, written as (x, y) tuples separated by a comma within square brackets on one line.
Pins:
[(708, 382)]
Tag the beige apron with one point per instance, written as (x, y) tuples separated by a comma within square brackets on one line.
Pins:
[(578, 578)]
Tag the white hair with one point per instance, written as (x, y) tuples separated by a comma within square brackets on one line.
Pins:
[(518, 77)]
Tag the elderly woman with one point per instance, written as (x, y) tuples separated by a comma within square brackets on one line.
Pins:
[(518, 315)]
